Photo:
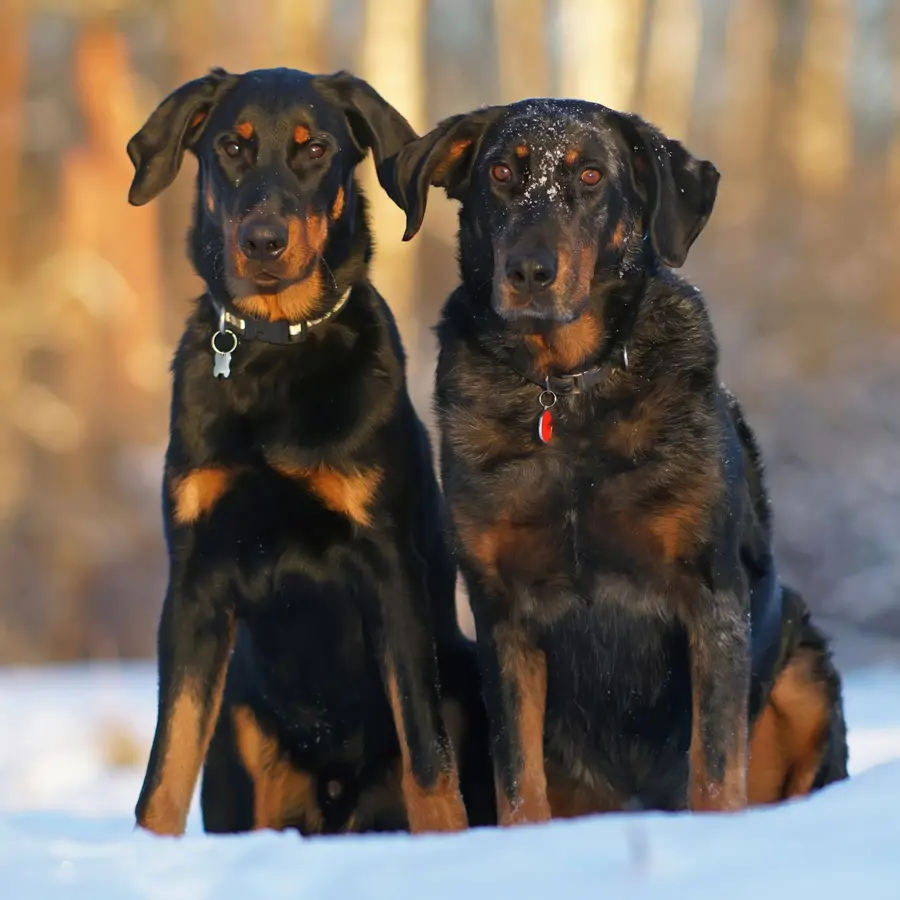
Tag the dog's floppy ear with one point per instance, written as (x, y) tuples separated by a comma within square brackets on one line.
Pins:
[(679, 188), (374, 123), (175, 126), (442, 158)]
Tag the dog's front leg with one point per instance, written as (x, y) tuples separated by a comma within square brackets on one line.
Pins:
[(719, 629), (514, 678), (403, 632), (196, 635)]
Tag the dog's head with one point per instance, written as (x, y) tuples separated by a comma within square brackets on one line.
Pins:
[(275, 194), (559, 197)]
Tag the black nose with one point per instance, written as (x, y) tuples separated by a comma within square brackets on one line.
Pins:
[(532, 271), (263, 239)]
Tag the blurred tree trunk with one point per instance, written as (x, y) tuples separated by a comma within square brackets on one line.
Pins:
[(103, 231), (601, 50), (820, 141), (12, 96), (521, 29), (671, 65), (891, 301), (392, 59), (113, 360), (194, 39), (197, 42), (270, 33), (301, 38), (894, 159), (742, 138)]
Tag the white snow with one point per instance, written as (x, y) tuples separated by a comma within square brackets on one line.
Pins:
[(66, 828)]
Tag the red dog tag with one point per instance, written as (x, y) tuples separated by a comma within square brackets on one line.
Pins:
[(545, 426)]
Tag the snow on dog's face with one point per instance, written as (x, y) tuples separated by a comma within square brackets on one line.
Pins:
[(558, 197)]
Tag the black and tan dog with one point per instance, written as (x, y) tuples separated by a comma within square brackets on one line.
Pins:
[(607, 496), (301, 507)]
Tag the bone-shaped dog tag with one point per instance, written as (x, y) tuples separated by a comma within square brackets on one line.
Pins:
[(222, 365), (222, 358)]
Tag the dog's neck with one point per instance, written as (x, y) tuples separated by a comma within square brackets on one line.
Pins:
[(542, 349)]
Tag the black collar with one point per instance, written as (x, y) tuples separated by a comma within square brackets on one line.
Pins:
[(280, 332), (578, 382), (614, 355)]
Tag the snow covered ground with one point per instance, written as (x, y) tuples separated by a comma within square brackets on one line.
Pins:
[(73, 742)]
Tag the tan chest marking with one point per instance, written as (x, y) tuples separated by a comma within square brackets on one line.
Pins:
[(349, 493)]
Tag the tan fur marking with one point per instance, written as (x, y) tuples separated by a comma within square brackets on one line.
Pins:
[(167, 810), (522, 151), (768, 766), (210, 198), (572, 156), (301, 134), (295, 303), (567, 346), (618, 238), (338, 207), (584, 271), (349, 493), (528, 668), (457, 148), (188, 733), (504, 547), (635, 434), (657, 535), (281, 793), (789, 736), (436, 808), (196, 493), (306, 242), (245, 130), (306, 239), (485, 545), (677, 529), (570, 799), (197, 118)]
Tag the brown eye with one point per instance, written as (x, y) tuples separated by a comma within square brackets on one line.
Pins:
[(315, 150), (501, 172), (232, 148), (590, 177)]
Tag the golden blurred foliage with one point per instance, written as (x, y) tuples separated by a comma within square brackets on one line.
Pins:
[(797, 104)]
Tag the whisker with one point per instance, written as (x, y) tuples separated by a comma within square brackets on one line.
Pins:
[(321, 259)]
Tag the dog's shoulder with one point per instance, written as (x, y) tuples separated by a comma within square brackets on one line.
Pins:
[(674, 325), (457, 319), (468, 370)]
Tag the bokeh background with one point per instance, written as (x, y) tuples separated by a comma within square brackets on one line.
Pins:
[(798, 104)]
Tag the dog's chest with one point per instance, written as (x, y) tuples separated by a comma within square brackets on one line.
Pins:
[(586, 516)]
